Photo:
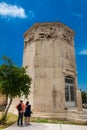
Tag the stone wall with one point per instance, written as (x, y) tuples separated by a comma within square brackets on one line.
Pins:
[(3, 102), (49, 53)]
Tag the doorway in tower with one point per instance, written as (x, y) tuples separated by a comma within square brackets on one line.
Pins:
[(69, 92)]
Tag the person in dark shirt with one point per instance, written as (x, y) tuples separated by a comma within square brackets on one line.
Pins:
[(27, 113)]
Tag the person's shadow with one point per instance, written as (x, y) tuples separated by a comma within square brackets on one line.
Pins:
[(54, 95)]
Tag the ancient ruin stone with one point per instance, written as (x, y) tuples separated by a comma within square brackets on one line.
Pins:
[(49, 54)]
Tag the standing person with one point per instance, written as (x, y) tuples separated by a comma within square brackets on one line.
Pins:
[(27, 113), (21, 108)]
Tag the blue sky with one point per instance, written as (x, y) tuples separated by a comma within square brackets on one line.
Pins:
[(16, 16)]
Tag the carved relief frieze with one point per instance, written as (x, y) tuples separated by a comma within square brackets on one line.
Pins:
[(49, 31)]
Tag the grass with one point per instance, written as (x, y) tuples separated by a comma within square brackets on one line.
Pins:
[(56, 121), (11, 118)]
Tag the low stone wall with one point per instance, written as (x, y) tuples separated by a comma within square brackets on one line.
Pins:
[(68, 115)]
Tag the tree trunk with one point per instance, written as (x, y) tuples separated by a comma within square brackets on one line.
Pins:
[(7, 108)]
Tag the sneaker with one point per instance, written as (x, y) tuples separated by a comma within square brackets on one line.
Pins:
[(22, 125)]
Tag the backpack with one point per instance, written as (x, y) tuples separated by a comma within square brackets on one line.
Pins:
[(19, 107)]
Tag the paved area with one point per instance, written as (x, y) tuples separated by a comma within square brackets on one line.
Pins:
[(47, 126)]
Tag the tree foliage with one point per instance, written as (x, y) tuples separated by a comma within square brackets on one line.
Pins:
[(84, 96), (14, 80)]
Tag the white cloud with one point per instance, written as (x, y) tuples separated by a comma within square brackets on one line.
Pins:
[(8, 10), (31, 14), (77, 15), (83, 52)]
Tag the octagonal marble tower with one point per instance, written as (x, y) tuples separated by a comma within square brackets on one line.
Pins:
[(50, 57)]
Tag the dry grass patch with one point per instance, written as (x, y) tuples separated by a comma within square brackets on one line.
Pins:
[(11, 118)]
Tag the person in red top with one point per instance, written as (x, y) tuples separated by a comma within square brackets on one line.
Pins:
[(20, 107)]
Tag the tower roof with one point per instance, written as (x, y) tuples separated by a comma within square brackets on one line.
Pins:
[(48, 25), (49, 30)]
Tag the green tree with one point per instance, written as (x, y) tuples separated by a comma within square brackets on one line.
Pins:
[(84, 96), (14, 81)]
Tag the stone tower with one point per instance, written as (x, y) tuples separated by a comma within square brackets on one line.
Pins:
[(50, 57)]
